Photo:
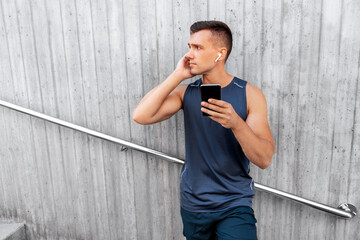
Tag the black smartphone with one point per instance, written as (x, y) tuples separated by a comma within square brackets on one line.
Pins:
[(210, 91)]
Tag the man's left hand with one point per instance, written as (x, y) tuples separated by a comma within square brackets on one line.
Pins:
[(221, 112)]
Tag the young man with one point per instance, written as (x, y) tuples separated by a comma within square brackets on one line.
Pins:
[(216, 188)]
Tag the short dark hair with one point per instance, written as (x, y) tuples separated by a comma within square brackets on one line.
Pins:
[(219, 29)]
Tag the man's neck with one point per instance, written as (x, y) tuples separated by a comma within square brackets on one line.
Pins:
[(217, 77)]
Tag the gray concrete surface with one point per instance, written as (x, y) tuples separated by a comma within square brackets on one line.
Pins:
[(90, 62)]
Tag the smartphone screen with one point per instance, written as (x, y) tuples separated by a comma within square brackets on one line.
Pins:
[(210, 91)]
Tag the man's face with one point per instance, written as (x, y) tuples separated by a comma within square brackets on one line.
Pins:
[(202, 52)]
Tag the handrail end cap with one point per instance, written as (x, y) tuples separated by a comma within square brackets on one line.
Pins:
[(347, 207)]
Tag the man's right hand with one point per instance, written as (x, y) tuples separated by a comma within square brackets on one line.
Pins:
[(183, 68)]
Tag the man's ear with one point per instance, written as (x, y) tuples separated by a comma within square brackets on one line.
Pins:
[(223, 52)]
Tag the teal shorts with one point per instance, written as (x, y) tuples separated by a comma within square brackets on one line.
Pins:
[(235, 223)]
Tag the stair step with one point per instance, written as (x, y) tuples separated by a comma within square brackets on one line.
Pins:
[(12, 231)]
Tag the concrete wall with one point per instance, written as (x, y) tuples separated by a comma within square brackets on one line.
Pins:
[(90, 62)]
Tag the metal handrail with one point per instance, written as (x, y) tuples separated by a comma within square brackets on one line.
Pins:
[(344, 210)]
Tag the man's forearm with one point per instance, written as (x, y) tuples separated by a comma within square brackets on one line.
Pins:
[(154, 99)]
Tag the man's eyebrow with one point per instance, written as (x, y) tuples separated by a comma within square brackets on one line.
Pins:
[(195, 45)]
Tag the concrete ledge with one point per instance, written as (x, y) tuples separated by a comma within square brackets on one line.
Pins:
[(12, 231)]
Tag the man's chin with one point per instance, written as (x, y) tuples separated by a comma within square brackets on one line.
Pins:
[(196, 72)]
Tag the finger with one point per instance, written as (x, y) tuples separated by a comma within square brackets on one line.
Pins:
[(209, 111), (186, 58), (218, 117), (213, 107), (214, 119), (205, 110), (218, 102)]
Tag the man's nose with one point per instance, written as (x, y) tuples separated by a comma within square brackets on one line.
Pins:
[(190, 54)]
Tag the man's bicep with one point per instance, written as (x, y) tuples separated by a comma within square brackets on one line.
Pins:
[(171, 105), (257, 115)]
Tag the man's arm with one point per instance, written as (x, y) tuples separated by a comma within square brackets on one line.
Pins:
[(164, 100), (254, 135)]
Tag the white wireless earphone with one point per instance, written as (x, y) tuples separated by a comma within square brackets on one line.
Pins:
[(218, 57)]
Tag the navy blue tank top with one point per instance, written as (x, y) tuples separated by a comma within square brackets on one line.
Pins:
[(215, 175)]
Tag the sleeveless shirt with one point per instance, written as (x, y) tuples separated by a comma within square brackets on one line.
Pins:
[(215, 175)]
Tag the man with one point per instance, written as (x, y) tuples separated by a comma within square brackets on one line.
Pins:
[(216, 188)]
